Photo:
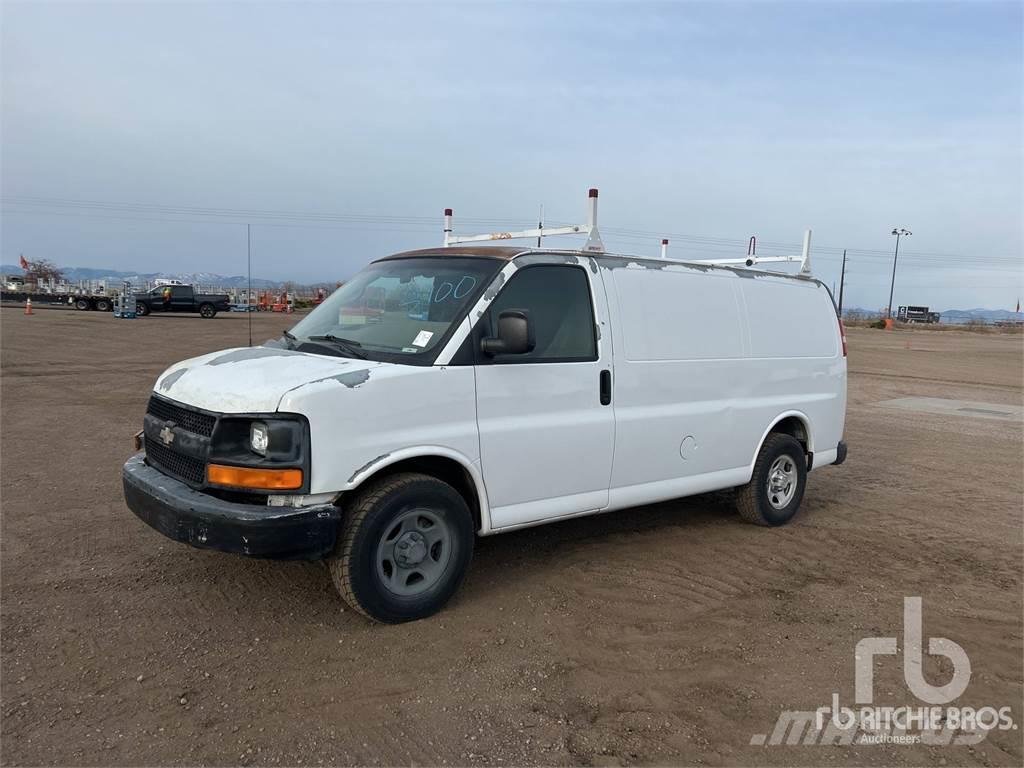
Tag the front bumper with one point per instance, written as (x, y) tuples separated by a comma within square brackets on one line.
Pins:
[(191, 517)]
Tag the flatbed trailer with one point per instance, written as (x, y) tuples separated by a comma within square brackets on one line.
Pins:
[(84, 302)]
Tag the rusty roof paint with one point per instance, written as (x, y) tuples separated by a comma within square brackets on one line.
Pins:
[(505, 253)]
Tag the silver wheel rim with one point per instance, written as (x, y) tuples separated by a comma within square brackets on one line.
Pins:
[(782, 480), (414, 552)]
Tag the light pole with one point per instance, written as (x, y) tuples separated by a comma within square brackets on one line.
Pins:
[(899, 233), (842, 281)]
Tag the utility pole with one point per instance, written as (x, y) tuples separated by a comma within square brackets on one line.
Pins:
[(898, 233), (540, 224), (842, 280), (248, 262)]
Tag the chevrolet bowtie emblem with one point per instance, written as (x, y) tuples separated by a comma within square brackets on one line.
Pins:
[(167, 435)]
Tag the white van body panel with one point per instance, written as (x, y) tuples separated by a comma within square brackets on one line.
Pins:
[(355, 428), (707, 361), (393, 412)]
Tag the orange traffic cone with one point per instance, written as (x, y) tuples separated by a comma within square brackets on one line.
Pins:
[(28, 306)]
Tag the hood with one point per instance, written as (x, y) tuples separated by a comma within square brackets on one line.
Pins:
[(254, 379)]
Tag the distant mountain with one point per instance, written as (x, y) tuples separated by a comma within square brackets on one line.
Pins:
[(979, 313), (952, 316), (75, 274), (861, 312), (213, 280)]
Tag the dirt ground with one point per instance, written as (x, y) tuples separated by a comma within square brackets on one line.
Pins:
[(669, 634)]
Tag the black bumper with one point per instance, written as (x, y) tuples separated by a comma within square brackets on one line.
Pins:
[(191, 517), (840, 452)]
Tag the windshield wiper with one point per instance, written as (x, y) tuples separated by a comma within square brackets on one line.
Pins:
[(348, 345), (291, 338)]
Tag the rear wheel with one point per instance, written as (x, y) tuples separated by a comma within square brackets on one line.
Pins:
[(102, 305), (207, 310), (82, 304), (405, 549), (775, 490)]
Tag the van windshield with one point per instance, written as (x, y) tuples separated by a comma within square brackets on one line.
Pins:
[(399, 310)]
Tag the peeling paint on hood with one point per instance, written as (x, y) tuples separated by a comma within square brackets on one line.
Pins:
[(249, 380), (250, 353), (168, 381)]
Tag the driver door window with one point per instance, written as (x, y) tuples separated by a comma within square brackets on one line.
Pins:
[(557, 299)]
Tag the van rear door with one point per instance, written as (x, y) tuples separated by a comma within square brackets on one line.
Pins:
[(546, 437)]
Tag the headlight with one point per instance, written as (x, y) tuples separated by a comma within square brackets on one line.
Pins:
[(259, 438), (263, 452)]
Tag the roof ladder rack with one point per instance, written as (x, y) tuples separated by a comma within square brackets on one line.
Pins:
[(753, 260), (593, 244)]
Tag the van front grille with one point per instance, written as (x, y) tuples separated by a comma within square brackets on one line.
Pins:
[(191, 421), (169, 461)]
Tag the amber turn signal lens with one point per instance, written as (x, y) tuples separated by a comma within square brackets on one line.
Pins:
[(261, 479)]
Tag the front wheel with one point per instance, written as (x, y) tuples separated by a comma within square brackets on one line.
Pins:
[(773, 495), (207, 310), (405, 549), (141, 309)]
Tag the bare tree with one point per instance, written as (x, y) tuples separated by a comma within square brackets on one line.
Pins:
[(42, 269)]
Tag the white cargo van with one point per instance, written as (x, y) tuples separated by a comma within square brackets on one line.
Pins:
[(448, 393)]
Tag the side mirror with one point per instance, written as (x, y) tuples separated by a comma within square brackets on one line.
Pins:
[(515, 334)]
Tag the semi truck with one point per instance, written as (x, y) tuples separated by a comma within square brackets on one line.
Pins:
[(916, 314)]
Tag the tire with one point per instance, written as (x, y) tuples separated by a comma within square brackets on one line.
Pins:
[(403, 517), (103, 305), (207, 311), (141, 309), (82, 304), (768, 499)]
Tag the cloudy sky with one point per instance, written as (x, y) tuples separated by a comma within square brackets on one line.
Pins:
[(144, 136)]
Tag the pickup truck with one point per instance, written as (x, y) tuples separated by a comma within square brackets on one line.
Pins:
[(181, 298)]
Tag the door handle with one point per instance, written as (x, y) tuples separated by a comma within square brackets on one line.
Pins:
[(606, 387)]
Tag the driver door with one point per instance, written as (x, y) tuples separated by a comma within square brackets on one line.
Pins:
[(157, 302), (546, 428)]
